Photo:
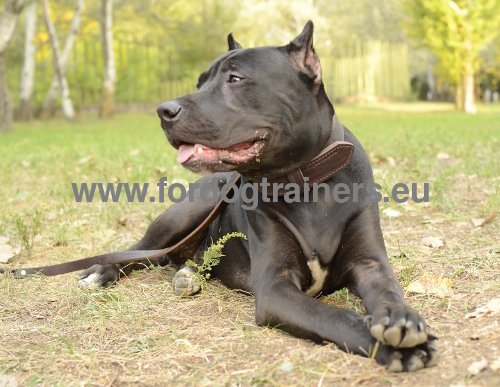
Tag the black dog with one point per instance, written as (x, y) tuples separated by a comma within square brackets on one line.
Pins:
[(264, 113)]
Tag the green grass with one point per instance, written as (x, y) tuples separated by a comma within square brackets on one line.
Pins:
[(53, 332)]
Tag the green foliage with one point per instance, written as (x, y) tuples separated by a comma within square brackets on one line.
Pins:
[(211, 258), (28, 229), (454, 31), (162, 46)]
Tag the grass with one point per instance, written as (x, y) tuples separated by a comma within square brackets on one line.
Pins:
[(53, 332)]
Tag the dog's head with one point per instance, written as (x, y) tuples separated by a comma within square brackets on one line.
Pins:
[(260, 111)]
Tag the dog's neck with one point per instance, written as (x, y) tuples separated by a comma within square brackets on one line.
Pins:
[(334, 157)]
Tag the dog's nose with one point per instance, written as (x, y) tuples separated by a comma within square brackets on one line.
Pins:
[(169, 111)]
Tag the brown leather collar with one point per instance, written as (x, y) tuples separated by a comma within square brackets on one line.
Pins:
[(331, 160)]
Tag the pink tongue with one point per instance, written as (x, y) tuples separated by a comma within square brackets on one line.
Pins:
[(185, 152)]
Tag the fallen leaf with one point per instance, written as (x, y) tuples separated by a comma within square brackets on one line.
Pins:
[(429, 283), (123, 221), (486, 220), (391, 161), (391, 213), (7, 252), (478, 366), (492, 308), (161, 171), (433, 242), (85, 159), (442, 156)]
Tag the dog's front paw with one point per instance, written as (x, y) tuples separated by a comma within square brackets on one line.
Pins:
[(408, 359), (398, 325), (183, 282), (100, 276)]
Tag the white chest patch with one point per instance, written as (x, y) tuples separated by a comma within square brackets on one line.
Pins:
[(318, 275)]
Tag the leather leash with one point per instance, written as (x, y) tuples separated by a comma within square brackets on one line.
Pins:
[(335, 157)]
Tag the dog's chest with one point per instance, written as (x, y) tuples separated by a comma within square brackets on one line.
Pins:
[(318, 275)]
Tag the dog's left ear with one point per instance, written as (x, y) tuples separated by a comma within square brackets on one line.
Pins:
[(303, 56), (232, 43)]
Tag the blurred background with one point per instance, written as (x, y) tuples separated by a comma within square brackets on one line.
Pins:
[(116, 55)]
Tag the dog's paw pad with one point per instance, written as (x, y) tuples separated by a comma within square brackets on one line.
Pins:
[(417, 361), (392, 335), (395, 363), (398, 326), (377, 330), (183, 283)]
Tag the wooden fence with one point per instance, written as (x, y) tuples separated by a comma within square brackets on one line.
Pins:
[(147, 73)]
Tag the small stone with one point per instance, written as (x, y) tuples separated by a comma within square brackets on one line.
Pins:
[(442, 156), (391, 213), (477, 367), (433, 242)]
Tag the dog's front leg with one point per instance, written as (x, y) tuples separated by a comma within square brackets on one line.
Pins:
[(277, 281), (363, 260), (170, 227)]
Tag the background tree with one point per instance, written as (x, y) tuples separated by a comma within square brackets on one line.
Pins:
[(28, 70), (8, 21), (62, 61), (455, 31), (109, 76)]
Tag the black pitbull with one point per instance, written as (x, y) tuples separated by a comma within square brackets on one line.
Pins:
[(264, 112)]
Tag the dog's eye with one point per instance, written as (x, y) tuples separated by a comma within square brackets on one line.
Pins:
[(234, 78)]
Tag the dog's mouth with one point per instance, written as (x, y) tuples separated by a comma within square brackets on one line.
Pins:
[(238, 154)]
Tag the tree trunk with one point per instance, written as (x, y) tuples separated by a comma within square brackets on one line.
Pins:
[(469, 104), (5, 103), (67, 104), (108, 89), (8, 22), (28, 72), (459, 96), (48, 103)]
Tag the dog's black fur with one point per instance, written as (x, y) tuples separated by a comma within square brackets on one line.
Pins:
[(274, 96)]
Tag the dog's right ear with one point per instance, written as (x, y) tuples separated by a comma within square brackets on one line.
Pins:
[(232, 43), (303, 56)]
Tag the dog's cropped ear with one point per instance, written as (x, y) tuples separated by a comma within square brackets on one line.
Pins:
[(232, 43), (303, 56)]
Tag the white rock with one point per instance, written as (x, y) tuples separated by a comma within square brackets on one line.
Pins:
[(7, 252), (442, 156), (492, 308), (391, 213), (478, 366), (433, 242)]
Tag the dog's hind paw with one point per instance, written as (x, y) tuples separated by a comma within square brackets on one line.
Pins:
[(183, 282), (100, 276), (408, 359)]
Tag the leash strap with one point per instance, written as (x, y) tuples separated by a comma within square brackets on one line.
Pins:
[(130, 256)]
